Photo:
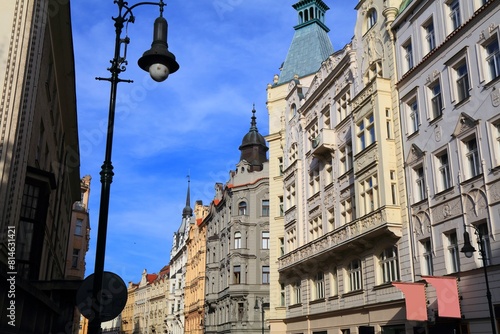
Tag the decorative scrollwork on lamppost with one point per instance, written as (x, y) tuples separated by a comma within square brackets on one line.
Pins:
[(468, 250), (159, 62)]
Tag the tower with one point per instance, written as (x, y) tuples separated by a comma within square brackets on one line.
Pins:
[(310, 44), (253, 146)]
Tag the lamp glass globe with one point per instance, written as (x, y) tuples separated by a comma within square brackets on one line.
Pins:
[(159, 72)]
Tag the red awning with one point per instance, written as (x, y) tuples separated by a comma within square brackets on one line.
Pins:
[(447, 295), (416, 304)]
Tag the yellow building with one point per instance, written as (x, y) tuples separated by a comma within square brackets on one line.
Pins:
[(128, 310), (194, 295)]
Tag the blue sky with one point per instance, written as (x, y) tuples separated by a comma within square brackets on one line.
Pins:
[(192, 123)]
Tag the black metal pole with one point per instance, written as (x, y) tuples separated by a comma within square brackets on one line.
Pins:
[(482, 251), (262, 307), (107, 167)]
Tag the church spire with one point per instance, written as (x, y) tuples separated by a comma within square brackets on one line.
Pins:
[(187, 212)]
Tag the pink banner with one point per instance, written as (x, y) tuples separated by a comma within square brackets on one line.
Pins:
[(447, 295), (416, 304)]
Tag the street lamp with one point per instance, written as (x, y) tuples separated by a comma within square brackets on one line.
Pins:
[(159, 62), (262, 305), (468, 250)]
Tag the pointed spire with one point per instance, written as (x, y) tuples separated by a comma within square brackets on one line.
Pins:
[(253, 123), (188, 212)]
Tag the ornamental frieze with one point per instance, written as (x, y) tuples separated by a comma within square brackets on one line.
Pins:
[(332, 240), (367, 158), (476, 204), (290, 216), (447, 210), (361, 97), (494, 191)]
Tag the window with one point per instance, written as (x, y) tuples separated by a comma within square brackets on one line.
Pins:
[(265, 240), (331, 219), (366, 132), (265, 275), (346, 213), (282, 294), (389, 265), (314, 180), (483, 230), (354, 273), (265, 208), (346, 158), (291, 239), (453, 254), (444, 177), (290, 196), (281, 208), (342, 105), (388, 122), (427, 255), (408, 55), (334, 282), (319, 285), (280, 165), (282, 246), (242, 208), (436, 100), (297, 293), (241, 311), (414, 116), (430, 35), (420, 189), (237, 240), (76, 257), (292, 155), (369, 194), (472, 167), (493, 59), (237, 274), (462, 76), (371, 18), (78, 227), (454, 8), (495, 129), (394, 198), (315, 227), (313, 135)]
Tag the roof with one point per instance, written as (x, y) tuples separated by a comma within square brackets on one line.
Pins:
[(309, 48)]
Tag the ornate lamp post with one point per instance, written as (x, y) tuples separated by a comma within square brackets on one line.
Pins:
[(468, 250), (159, 62), (262, 305)]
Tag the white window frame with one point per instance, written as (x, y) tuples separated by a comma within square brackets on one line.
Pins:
[(389, 265), (354, 275), (420, 181), (319, 285), (453, 252), (490, 61), (471, 157), (366, 132), (454, 14), (443, 171), (237, 240), (427, 257), (368, 191), (408, 57), (429, 35), (436, 104)]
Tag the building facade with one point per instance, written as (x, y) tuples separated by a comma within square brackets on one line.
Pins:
[(310, 46), (448, 74), (194, 295), (39, 165), (237, 264), (343, 231), (178, 260)]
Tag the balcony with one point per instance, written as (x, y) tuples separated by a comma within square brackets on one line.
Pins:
[(323, 144), (354, 237)]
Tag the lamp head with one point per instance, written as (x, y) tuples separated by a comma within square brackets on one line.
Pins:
[(256, 307), (467, 249), (158, 61)]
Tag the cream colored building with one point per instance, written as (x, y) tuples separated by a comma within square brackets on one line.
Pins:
[(448, 83), (344, 225), (39, 165), (128, 311)]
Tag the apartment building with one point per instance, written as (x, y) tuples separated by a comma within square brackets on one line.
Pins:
[(343, 231), (237, 225), (310, 46), (194, 295), (178, 261), (39, 166), (448, 74)]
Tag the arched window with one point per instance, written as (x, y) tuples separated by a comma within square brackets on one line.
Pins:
[(371, 18), (237, 240), (242, 208)]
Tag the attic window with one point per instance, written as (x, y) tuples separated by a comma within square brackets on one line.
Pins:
[(371, 18)]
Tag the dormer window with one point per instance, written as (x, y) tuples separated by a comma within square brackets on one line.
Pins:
[(371, 18)]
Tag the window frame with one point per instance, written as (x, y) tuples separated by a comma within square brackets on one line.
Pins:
[(436, 104), (354, 274), (237, 240), (265, 240), (429, 35), (319, 285), (443, 171), (242, 208), (389, 265)]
